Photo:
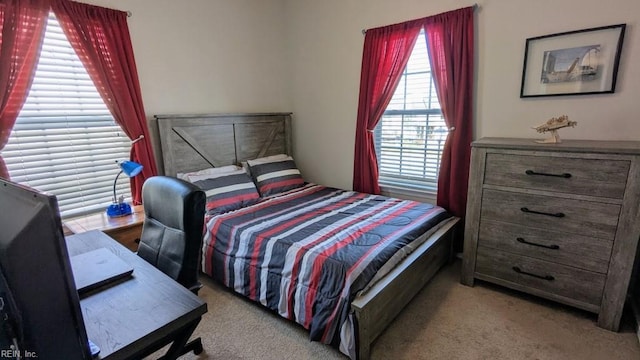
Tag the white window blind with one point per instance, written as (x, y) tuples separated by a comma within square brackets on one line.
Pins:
[(411, 134), (65, 141)]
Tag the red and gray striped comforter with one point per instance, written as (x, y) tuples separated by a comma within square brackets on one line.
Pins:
[(308, 252)]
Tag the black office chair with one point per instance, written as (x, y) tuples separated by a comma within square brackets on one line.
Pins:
[(172, 231)]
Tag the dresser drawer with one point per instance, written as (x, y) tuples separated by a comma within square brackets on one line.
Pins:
[(595, 177), (584, 252), (544, 276), (548, 212)]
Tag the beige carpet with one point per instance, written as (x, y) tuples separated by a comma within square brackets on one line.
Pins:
[(445, 321)]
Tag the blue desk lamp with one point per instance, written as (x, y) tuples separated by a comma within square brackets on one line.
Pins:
[(119, 207)]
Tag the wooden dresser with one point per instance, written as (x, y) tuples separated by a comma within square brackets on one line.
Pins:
[(560, 221)]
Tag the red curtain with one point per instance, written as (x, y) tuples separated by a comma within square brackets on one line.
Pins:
[(100, 37), (385, 55), (450, 43), (22, 26)]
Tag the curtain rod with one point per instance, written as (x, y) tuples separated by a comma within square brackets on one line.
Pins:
[(129, 13), (475, 7)]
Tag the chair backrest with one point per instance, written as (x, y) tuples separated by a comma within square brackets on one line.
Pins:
[(171, 238)]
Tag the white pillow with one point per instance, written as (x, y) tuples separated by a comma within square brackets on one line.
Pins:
[(268, 159), (214, 175), (208, 171)]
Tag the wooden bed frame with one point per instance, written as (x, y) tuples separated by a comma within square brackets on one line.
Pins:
[(194, 142)]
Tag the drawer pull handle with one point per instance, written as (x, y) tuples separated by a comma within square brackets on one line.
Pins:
[(543, 277), (563, 175), (558, 215), (553, 247)]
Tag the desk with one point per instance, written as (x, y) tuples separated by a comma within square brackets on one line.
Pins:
[(134, 318)]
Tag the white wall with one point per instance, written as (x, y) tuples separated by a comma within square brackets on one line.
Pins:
[(208, 56), (325, 43)]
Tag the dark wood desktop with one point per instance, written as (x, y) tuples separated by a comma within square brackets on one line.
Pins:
[(138, 316)]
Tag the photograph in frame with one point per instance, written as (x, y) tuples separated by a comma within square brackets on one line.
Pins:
[(572, 63)]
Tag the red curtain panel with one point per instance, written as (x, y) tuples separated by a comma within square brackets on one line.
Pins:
[(100, 37), (450, 43), (386, 53), (22, 26)]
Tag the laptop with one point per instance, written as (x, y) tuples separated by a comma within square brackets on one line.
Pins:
[(98, 268)]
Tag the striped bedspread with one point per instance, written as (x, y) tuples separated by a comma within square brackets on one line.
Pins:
[(308, 252)]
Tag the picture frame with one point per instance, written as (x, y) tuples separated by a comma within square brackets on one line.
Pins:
[(577, 62)]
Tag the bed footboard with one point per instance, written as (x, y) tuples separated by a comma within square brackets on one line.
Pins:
[(375, 310)]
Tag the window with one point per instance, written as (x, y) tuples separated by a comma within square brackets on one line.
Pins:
[(65, 140), (411, 134)]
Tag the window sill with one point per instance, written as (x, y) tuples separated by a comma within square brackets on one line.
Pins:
[(427, 196)]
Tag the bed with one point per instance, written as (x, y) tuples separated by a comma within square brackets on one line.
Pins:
[(383, 261)]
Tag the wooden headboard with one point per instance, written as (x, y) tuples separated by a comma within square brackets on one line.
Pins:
[(194, 142)]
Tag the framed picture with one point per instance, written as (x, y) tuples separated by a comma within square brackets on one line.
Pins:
[(572, 63)]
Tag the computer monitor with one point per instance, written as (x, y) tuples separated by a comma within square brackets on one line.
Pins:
[(41, 308)]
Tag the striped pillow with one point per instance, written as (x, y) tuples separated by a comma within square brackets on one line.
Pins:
[(228, 191), (275, 174)]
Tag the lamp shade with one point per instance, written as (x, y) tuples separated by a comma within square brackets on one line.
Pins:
[(121, 208), (130, 168)]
